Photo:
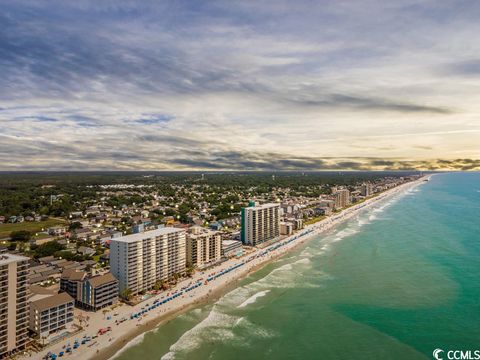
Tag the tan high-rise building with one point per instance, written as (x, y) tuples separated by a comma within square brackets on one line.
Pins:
[(203, 247), (342, 198), (260, 223), (14, 310), (138, 261)]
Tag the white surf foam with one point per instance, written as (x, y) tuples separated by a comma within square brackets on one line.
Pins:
[(282, 268), (253, 298), (235, 297), (216, 326), (135, 341), (303, 261)]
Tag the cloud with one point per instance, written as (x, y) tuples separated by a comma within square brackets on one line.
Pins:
[(243, 85), (37, 118), (463, 68), (155, 119), (348, 101)]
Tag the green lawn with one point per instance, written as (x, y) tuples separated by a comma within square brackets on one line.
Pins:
[(6, 229), (314, 220)]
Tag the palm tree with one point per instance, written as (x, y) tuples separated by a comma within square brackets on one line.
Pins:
[(190, 271), (126, 294), (159, 284)]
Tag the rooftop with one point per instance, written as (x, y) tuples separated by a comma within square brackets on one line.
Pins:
[(147, 234), (73, 275), (102, 279), (52, 301), (231, 242), (263, 206), (204, 232), (9, 258), (39, 290)]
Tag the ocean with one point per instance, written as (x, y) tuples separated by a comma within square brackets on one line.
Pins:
[(396, 282)]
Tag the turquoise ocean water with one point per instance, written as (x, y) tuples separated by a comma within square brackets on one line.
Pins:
[(396, 282)]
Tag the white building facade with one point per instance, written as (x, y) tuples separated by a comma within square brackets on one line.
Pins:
[(260, 223), (139, 260)]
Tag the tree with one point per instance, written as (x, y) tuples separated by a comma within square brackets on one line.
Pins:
[(126, 294), (68, 255), (190, 270), (163, 285), (20, 235), (74, 226), (159, 285), (47, 249)]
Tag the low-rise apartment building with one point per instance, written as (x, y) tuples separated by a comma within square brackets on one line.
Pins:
[(90, 293), (231, 248), (51, 313), (98, 292)]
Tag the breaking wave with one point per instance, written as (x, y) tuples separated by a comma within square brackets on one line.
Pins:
[(217, 327), (253, 298)]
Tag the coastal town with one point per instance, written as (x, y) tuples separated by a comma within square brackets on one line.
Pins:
[(85, 262)]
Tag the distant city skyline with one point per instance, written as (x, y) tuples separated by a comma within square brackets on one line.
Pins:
[(246, 85)]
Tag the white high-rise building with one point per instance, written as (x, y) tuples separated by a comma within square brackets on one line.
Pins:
[(139, 260), (260, 223), (14, 308)]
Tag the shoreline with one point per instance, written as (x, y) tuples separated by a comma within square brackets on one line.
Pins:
[(221, 282), (116, 349)]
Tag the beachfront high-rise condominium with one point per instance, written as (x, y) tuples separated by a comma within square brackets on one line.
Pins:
[(342, 198), (14, 310), (366, 189), (138, 261), (260, 223), (203, 247)]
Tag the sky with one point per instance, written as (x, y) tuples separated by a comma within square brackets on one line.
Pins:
[(239, 85)]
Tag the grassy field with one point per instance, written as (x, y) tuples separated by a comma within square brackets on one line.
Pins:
[(6, 229), (314, 220)]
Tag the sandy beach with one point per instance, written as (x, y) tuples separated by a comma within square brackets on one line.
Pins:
[(203, 286)]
